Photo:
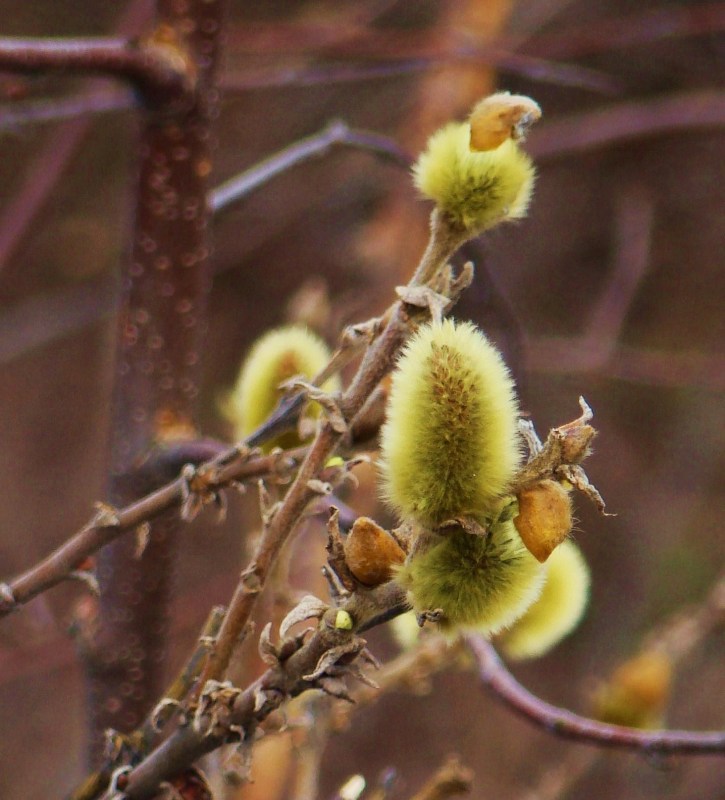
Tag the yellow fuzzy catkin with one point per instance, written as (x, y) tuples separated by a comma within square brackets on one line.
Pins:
[(276, 357), (558, 610), (475, 190), (450, 443), (481, 583)]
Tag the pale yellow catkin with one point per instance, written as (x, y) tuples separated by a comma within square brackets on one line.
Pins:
[(558, 610), (276, 357), (450, 443), (474, 190)]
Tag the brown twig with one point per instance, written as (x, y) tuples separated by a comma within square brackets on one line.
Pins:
[(109, 524), (279, 523), (292, 674), (676, 638), (143, 737), (566, 724)]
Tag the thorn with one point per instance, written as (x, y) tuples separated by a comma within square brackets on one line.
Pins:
[(88, 579), (106, 516), (142, 534)]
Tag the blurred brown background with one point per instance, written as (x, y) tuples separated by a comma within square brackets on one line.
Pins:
[(611, 289)]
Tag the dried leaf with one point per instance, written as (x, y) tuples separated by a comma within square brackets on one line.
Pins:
[(309, 607)]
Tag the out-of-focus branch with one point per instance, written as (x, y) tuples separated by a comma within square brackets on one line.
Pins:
[(566, 724), (50, 161), (450, 780), (577, 133), (57, 109), (629, 30), (336, 134), (158, 71)]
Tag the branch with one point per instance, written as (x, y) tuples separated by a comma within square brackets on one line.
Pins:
[(92, 101), (292, 675), (568, 725), (623, 122), (161, 72), (49, 162), (336, 134), (109, 524), (302, 669)]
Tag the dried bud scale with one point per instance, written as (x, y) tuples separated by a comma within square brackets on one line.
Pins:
[(544, 519), (450, 444), (500, 117), (371, 552)]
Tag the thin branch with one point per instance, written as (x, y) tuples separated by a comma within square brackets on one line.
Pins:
[(290, 676), (185, 745), (701, 109), (58, 109), (420, 50), (143, 737), (105, 528), (634, 364), (566, 724), (52, 159), (630, 30), (336, 134), (537, 69)]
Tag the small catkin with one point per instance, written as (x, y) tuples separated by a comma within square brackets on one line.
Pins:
[(636, 695), (474, 190), (558, 610), (450, 443), (276, 357), (481, 583)]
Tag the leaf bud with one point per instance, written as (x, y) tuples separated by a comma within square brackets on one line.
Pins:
[(500, 117), (637, 692)]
